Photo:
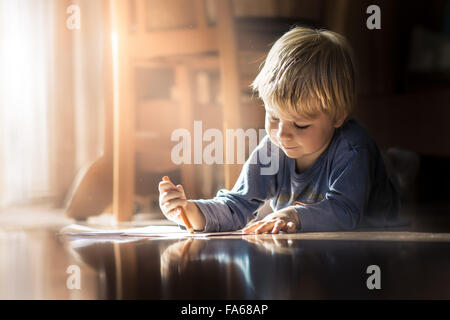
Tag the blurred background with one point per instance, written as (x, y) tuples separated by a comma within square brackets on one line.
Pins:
[(91, 91)]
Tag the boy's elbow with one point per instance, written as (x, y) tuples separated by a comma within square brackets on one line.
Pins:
[(349, 226), (348, 218)]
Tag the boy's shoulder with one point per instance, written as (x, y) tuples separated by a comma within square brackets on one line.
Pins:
[(352, 135), (353, 142)]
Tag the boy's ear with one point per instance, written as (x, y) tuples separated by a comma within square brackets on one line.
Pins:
[(339, 121)]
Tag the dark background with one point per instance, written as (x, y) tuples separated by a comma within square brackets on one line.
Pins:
[(404, 94)]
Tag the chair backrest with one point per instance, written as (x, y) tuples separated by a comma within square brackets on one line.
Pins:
[(138, 40)]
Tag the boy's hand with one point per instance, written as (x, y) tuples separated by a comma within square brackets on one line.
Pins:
[(172, 197), (285, 220)]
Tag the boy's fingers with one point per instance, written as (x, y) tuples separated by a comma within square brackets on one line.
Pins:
[(173, 204), (169, 195), (290, 226), (165, 186), (265, 227), (174, 215), (248, 228), (279, 225), (181, 190), (259, 227), (251, 228)]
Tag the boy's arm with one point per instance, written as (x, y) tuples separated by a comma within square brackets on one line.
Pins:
[(231, 210), (196, 217), (350, 186)]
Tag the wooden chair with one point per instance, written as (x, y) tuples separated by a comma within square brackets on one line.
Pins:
[(133, 46)]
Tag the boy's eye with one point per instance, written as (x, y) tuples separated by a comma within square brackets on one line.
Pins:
[(273, 119), (301, 127)]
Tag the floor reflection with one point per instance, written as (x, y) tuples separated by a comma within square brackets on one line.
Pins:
[(263, 268), (34, 261), (33, 265)]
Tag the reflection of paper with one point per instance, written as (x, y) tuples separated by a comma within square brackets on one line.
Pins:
[(150, 232), (216, 234)]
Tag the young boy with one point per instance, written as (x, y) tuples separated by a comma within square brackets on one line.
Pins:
[(331, 175)]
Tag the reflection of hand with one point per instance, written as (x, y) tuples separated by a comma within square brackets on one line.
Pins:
[(272, 243), (285, 220), (179, 253)]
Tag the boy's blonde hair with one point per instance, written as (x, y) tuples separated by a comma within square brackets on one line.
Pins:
[(308, 71)]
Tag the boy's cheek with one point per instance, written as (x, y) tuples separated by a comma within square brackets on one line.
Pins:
[(272, 133), (267, 127), (275, 141)]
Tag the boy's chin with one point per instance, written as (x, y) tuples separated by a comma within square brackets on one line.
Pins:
[(294, 154)]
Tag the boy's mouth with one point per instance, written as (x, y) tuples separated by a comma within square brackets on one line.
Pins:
[(288, 147)]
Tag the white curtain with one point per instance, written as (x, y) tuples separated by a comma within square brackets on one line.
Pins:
[(25, 51), (51, 103)]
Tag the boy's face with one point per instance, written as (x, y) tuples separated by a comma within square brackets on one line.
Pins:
[(299, 138)]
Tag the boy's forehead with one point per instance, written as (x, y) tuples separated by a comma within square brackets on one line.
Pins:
[(288, 115)]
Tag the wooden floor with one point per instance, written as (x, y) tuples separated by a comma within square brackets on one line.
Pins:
[(37, 263)]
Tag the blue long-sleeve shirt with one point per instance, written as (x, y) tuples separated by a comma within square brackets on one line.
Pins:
[(347, 187)]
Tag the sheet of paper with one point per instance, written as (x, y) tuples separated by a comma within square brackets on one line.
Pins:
[(170, 231), (80, 230), (149, 231)]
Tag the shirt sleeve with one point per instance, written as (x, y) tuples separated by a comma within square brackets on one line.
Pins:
[(232, 210), (344, 203)]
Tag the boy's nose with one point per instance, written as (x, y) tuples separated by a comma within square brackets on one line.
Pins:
[(283, 132)]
